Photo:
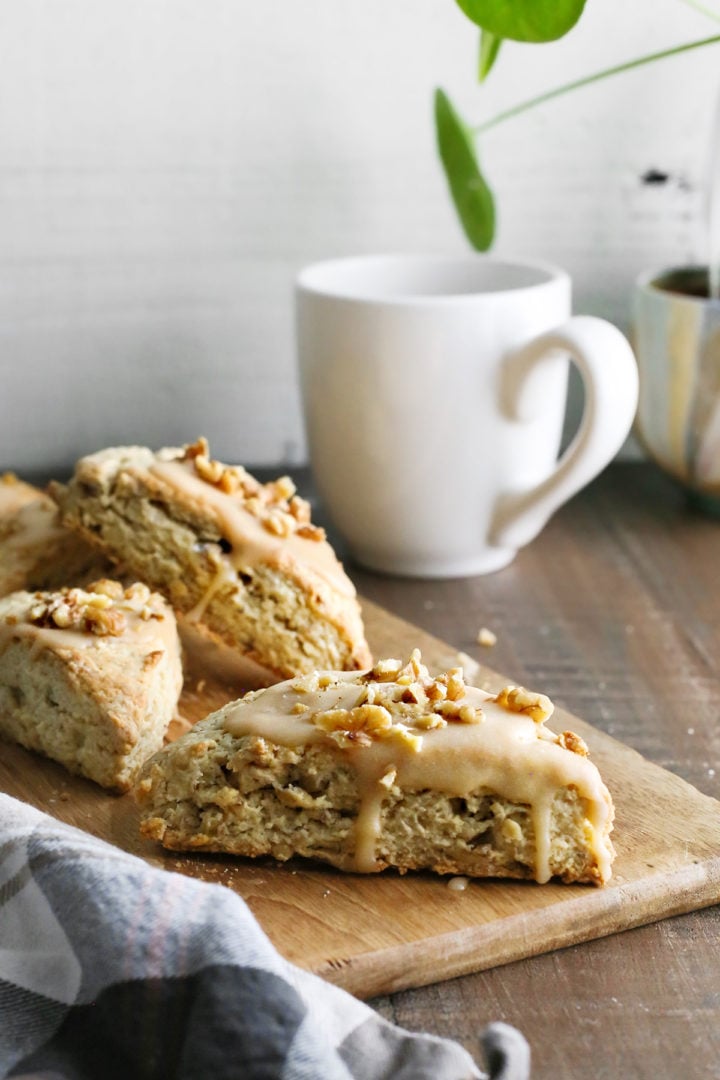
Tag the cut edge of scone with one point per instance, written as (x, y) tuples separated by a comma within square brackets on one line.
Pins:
[(389, 767), (89, 677), (36, 551), (240, 558)]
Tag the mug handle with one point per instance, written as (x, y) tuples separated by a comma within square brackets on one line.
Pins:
[(610, 376)]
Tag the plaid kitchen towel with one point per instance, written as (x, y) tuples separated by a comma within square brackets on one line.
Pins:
[(113, 970)]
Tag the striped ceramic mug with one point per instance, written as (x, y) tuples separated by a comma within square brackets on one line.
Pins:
[(677, 342)]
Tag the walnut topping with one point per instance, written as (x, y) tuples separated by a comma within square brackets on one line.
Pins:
[(519, 700), (370, 718), (279, 523), (455, 684), (311, 532), (276, 505), (101, 609), (570, 741), (300, 510), (386, 670), (106, 587), (392, 701)]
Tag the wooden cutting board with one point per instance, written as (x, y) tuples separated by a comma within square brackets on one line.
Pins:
[(382, 933)]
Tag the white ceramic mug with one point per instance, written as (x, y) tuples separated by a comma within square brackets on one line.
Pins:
[(434, 393)]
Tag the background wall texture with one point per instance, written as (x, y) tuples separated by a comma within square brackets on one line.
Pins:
[(166, 166)]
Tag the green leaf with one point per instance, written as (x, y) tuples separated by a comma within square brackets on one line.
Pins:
[(471, 195), (524, 20), (489, 49)]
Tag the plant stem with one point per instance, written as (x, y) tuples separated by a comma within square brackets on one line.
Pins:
[(715, 15), (617, 70)]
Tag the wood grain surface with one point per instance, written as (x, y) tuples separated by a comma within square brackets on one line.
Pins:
[(615, 612), (379, 934)]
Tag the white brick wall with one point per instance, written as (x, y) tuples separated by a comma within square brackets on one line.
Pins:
[(167, 165)]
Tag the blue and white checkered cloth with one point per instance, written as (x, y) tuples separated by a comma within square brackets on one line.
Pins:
[(113, 970)]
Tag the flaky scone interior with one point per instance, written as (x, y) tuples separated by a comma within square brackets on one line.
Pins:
[(240, 559), (89, 677), (388, 767), (36, 551)]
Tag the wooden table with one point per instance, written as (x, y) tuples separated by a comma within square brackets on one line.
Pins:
[(614, 611)]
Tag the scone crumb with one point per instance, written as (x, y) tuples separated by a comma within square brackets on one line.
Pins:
[(486, 637), (519, 700), (458, 884)]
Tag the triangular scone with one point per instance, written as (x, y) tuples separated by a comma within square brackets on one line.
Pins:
[(238, 558), (36, 552), (89, 678), (387, 768)]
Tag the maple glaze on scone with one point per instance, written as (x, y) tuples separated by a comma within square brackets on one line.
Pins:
[(387, 767), (239, 558), (89, 677), (36, 552)]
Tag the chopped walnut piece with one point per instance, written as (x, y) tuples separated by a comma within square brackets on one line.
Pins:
[(370, 718), (101, 609), (519, 700), (455, 684), (278, 523), (449, 709), (468, 714), (300, 510), (414, 694), (401, 733), (105, 621), (106, 587), (387, 670), (281, 489), (229, 481), (208, 469), (429, 722), (436, 691), (573, 742), (137, 591), (191, 450), (305, 684), (311, 532), (276, 505), (416, 665)]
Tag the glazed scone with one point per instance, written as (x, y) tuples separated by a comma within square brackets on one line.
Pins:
[(89, 678), (240, 559), (391, 767), (36, 552)]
